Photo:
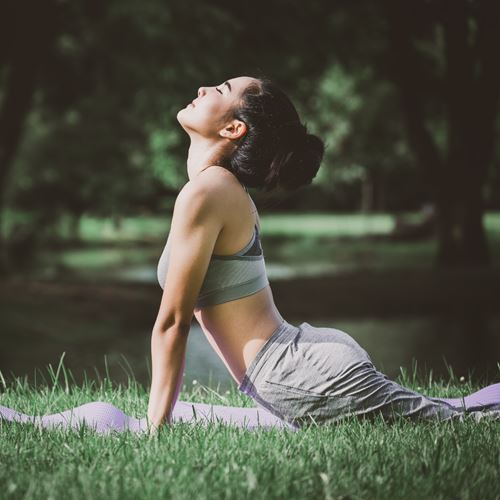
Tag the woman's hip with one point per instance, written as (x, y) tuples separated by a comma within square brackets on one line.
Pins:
[(300, 367), (305, 357), (306, 373)]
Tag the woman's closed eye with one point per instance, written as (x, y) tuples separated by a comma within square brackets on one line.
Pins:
[(218, 90)]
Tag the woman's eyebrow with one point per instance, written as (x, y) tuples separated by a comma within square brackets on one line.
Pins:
[(228, 85)]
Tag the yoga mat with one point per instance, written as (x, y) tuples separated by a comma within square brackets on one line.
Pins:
[(488, 396), (104, 417)]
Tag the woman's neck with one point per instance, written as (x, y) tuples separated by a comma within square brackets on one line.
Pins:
[(202, 153)]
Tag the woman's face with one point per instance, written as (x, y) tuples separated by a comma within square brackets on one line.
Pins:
[(208, 115)]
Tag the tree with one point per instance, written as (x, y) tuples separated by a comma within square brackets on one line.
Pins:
[(27, 29), (109, 77), (450, 50)]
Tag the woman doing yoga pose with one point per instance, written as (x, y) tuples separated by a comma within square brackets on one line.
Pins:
[(247, 133)]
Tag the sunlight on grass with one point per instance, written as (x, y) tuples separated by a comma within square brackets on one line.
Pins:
[(294, 245), (97, 258), (491, 222), (327, 224), (303, 224), (130, 228), (352, 459)]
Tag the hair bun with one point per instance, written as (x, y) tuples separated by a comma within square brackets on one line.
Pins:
[(299, 156), (277, 150)]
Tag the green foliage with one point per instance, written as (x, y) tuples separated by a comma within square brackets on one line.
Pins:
[(354, 111), (101, 135), (165, 166)]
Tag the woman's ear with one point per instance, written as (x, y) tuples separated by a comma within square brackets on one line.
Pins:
[(236, 129)]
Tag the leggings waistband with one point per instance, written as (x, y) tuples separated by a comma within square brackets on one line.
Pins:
[(281, 336)]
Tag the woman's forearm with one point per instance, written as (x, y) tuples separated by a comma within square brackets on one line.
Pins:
[(168, 353)]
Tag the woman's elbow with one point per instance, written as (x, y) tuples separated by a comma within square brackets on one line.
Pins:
[(172, 326)]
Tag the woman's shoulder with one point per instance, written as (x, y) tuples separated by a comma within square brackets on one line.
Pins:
[(215, 183), (210, 188), (216, 177)]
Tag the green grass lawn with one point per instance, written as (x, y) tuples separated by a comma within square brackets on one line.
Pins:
[(353, 459), (325, 241), (277, 224)]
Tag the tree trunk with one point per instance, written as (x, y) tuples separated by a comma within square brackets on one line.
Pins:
[(474, 242), (471, 88), (367, 193), (4, 254), (447, 233), (27, 31), (461, 235)]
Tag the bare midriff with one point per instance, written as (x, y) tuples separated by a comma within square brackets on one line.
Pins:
[(238, 329)]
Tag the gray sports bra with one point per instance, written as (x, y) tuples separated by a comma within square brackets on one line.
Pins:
[(228, 277)]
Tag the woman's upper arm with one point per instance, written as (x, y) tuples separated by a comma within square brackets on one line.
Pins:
[(196, 224)]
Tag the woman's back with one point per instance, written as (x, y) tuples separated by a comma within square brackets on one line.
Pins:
[(235, 308), (228, 277)]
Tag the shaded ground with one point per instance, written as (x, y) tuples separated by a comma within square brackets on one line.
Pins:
[(97, 298), (429, 314)]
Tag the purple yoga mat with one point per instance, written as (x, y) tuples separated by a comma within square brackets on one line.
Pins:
[(488, 396), (104, 417)]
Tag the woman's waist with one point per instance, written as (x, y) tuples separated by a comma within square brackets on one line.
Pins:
[(240, 327)]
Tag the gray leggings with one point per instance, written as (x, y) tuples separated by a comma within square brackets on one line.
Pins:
[(306, 374)]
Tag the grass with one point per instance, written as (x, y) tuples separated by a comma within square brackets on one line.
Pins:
[(316, 224), (320, 242), (354, 459)]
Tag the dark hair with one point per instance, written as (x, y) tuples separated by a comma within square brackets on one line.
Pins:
[(276, 150)]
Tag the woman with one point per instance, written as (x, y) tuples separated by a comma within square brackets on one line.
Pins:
[(247, 133)]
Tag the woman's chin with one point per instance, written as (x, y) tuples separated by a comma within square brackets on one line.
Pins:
[(186, 108), (180, 115)]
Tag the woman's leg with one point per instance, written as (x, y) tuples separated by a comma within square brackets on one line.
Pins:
[(104, 417), (486, 397), (323, 375), (375, 394), (250, 418)]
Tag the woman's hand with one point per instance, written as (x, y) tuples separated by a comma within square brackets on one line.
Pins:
[(153, 431), (154, 427)]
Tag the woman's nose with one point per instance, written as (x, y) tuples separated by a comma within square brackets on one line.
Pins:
[(201, 91)]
